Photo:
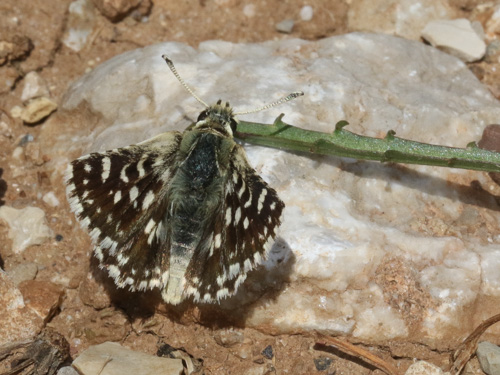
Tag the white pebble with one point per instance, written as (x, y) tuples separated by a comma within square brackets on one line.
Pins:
[(306, 13), (51, 199), (249, 10), (27, 226)]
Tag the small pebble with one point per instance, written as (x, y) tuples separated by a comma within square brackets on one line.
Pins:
[(228, 337), (34, 87), (424, 368), (113, 359), (285, 26), (37, 110), (23, 272), (249, 10), (489, 357), (457, 37), (51, 199), (25, 139), (27, 226), (268, 352), (306, 13), (322, 363), (116, 10), (493, 52)]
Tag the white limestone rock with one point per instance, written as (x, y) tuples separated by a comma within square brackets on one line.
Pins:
[(111, 358), (80, 24), (34, 87), (23, 272), (370, 250), (405, 18), (67, 370), (27, 226), (424, 368), (457, 37)]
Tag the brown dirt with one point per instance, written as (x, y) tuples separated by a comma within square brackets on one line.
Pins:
[(33, 31)]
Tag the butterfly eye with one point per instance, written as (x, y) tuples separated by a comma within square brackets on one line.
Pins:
[(203, 115)]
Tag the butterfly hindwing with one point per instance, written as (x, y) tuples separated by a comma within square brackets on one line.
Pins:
[(119, 196), (244, 226)]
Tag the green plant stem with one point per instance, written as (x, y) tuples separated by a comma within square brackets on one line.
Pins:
[(389, 149)]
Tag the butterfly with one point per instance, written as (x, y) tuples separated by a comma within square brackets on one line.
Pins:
[(184, 212)]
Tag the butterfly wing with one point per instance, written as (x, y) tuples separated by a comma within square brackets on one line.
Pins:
[(119, 196), (243, 230)]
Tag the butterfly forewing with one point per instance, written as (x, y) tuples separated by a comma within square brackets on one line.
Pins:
[(119, 196)]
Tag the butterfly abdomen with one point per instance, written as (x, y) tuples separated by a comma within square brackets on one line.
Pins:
[(197, 183)]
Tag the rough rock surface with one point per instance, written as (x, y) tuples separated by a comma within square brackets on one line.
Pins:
[(20, 322), (457, 37), (405, 18), (27, 226), (489, 357), (111, 358), (375, 251), (424, 368)]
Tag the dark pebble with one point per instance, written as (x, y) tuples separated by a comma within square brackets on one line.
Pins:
[(268, 352), (322, 363)]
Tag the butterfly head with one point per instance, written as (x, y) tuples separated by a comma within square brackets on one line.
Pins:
[(218, 117)]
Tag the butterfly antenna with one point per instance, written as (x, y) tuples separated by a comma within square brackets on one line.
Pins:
[(174, 71), (285, 99)]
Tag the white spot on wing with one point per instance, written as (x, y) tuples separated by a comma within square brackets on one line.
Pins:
[(106, 167), (123, 174), (222, 293), (134, 193), (140, 167), (228, 216), (234, 269), (95, 233), (154, 283), (249, 201), (217, 241), (117, 197), (262, 197), (237, 216), (114, 271), (98, 253), (221, 279), (148, 200), (151, 223), (242, 190), (248, 265), (122, 260)]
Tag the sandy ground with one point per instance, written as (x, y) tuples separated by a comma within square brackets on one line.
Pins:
[(36, 29)]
